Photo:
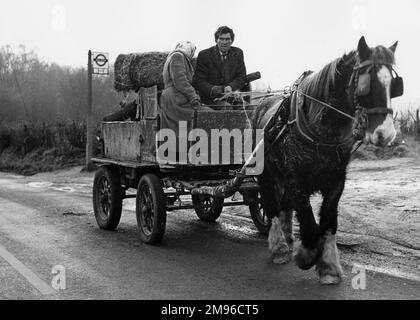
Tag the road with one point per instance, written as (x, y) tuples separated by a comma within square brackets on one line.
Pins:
[(45, 225)]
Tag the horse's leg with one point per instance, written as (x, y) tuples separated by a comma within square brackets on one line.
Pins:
[(271, 193), (280, 248), (286, 216), (308, 251), (328, 266)]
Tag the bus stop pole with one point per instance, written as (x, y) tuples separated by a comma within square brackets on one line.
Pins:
[(89, 141)]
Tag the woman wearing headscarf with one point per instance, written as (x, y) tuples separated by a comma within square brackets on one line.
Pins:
[(179, 98)]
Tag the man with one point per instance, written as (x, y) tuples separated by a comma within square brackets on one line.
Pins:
[(220, 69)]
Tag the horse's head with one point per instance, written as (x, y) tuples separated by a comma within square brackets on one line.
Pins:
[(373, 86)]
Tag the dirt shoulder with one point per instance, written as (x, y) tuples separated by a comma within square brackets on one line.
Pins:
[(379, 215)]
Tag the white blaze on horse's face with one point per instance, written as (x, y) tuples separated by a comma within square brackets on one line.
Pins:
[(384, 133)]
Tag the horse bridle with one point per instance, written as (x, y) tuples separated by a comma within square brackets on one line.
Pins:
[(362, 83)]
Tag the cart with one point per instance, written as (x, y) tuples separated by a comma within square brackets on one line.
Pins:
[(129, 161)]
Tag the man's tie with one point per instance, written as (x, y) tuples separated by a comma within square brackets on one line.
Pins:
[(224, 57)]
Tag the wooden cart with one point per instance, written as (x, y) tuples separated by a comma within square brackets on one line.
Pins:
[(129, 161)]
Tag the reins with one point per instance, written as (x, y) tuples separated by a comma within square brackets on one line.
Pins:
[(327, 105)]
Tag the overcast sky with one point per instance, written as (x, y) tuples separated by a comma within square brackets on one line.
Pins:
[(280, 39)]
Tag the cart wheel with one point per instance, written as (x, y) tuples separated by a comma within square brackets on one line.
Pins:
[(207, 208), (259, 217), (150, 209), (107, 198)]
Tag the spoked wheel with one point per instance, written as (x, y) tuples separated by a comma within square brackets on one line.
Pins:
[(207, 208), (258, 215), (150, 209), (107, 198)]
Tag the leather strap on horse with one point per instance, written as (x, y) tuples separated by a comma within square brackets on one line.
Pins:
[(277, 125), (303, 128)]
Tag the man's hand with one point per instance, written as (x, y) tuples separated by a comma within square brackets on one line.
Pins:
[(228, 89), (196, 104), (216, 91)]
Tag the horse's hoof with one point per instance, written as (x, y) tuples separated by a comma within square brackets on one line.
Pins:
[(329, 279), (281, 258), (306, 258)]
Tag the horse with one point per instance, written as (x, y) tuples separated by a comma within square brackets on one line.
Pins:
[(348, 100)]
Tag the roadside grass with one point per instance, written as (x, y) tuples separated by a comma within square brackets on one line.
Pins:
[(413, 144), (405, 146), (29, 148)]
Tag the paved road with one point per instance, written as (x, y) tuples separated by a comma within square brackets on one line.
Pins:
[(42, 227)]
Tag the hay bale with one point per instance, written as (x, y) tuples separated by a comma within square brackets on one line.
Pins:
[(136, 70), (146, 70), (122, 80)]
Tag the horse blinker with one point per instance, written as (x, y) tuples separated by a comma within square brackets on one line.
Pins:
[(363, 86), (397, 87)]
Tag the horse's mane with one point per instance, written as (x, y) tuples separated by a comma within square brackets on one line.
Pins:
[(320, 85)]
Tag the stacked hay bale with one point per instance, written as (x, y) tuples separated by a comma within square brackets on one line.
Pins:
[(136, 70)]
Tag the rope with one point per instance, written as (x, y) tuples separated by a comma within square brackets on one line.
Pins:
[(246, 113), (327, 105), (264, 94)]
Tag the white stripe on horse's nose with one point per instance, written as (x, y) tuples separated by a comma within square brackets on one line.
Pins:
[(385, 78)]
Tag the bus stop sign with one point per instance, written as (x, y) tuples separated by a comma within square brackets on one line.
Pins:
[(100, 63)]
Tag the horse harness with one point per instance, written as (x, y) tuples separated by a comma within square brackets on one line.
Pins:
[(290, 109)]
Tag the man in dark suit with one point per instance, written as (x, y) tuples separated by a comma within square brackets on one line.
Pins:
[(220, 69)]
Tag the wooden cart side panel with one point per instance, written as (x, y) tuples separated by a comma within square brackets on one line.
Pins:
[(148, 140), (130, 141), (229, 120), (136, 140)]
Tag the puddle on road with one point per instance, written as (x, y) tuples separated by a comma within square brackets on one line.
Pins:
[(69, 188), (129, 204), (243, 230), (40, 184), (65, 189)]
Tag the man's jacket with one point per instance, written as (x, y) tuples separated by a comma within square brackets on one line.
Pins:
[(212, 71)]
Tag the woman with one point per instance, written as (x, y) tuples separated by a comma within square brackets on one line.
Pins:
[(179, 98)]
